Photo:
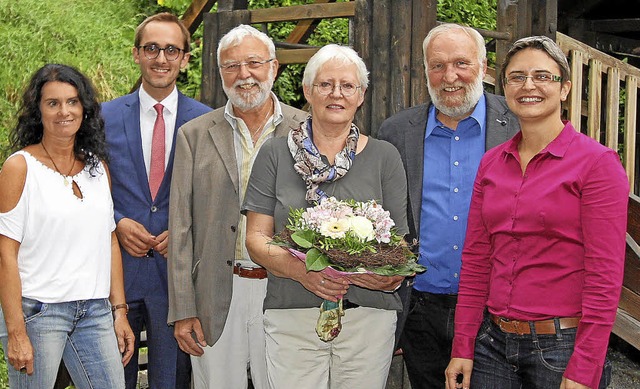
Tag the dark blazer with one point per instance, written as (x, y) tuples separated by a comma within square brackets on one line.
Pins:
[(130, 184), (406, 131)]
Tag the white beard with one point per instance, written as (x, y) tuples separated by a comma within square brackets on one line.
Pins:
[(459, 108)]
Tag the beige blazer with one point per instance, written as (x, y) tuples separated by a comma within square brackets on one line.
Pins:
[(203, 218)]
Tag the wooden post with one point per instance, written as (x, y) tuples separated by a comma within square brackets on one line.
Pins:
[(215, 26)]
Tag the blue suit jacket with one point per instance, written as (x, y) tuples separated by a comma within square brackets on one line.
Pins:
[(130, 184)]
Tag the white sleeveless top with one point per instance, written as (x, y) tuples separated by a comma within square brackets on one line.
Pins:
[(65, 241)]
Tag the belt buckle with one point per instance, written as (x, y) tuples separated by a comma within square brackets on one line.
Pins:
[(513, 326)]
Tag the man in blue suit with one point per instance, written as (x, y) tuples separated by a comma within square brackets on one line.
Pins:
[(140, 130)]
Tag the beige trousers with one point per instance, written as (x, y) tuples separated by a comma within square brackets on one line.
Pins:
[(359, 357)]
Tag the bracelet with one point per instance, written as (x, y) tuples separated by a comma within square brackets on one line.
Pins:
[(121, 306)]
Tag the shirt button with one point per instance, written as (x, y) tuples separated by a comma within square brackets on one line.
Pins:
[(455, 275), (154, 209), (455, 246), (455, 217), (455, 190), (456, 163), (456, 137)]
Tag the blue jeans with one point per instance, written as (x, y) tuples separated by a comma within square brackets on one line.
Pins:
[(511, 361), (426, 338), (79, 332)]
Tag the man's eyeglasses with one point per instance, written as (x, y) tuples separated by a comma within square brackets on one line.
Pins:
[(347, 89), (234, 67), (538, 78), (171, 53)]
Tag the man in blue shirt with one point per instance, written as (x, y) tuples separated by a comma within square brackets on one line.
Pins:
[(441, 143)]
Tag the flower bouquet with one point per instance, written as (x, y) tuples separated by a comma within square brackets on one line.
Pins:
[(341, 238)]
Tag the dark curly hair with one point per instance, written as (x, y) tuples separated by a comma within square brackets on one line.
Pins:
[(90, 144)]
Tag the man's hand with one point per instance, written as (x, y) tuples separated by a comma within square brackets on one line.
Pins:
[(459, 366), (134, 238), (183, 331), (163, 246)]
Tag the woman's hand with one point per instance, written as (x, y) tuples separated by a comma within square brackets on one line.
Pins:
[(457, 367), (376, 282), (570, 384), (126, 338), (20, 352), (323, 286)]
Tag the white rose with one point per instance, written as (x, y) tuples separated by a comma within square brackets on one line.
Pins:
[(362, 228), (334, 228)]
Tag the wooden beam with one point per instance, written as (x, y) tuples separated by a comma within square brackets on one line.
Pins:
[(626, 327), (613, 107), (192, 17), (303, 12), (304, 28), (630, 302), (291, 56), (630, 127)]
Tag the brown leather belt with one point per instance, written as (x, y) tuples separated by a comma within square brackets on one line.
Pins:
[(247, 272), (542, 327)]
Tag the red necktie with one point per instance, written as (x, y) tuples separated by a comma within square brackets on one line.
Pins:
[(156, 171)]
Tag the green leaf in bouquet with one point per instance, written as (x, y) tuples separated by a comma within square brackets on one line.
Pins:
[(303, 238), (316, 260)]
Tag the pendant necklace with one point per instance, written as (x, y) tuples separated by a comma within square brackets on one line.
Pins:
[(65, 178), (264, 121)]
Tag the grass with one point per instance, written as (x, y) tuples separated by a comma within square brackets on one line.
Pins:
[(94, 36)]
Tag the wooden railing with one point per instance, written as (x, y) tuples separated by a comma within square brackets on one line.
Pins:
[(603, 87)]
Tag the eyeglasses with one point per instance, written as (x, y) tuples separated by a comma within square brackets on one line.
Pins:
[(538, 78), (347, 89), (234, 67), (171, 53)]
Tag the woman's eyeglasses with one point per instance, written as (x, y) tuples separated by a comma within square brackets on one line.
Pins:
[(538, 78), (347, 89)]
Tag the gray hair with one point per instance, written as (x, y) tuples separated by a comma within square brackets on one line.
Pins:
[(543, 43), (343, 54), (445, 28), (235, 36)]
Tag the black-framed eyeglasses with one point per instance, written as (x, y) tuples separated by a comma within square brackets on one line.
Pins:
[(171, 53), (234, 67), (538, 78), (347, 89)]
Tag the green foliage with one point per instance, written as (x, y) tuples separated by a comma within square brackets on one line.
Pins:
[(479, 14), (96, 39), (4, 376)]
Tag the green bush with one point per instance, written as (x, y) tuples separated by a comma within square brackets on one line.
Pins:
[(94, 37)]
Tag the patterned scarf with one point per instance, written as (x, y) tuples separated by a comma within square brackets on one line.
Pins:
[(310, 165)]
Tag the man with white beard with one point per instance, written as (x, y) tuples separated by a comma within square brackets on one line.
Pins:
[(441, 144), (215, 290)]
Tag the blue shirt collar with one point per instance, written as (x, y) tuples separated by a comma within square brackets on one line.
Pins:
[(479, 114)]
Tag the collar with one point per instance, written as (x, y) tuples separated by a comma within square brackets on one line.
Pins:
[(557, 147), (233, 120), (479, 114), (147, 102)]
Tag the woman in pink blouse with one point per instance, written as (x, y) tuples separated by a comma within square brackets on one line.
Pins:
[(543, 259)]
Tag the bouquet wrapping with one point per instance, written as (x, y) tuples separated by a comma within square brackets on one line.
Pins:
[(341, 238)]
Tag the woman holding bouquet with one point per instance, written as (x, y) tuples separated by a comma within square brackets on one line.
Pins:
[(326, 156)]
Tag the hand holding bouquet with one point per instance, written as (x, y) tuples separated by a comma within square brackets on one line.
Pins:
[(342, 238)]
